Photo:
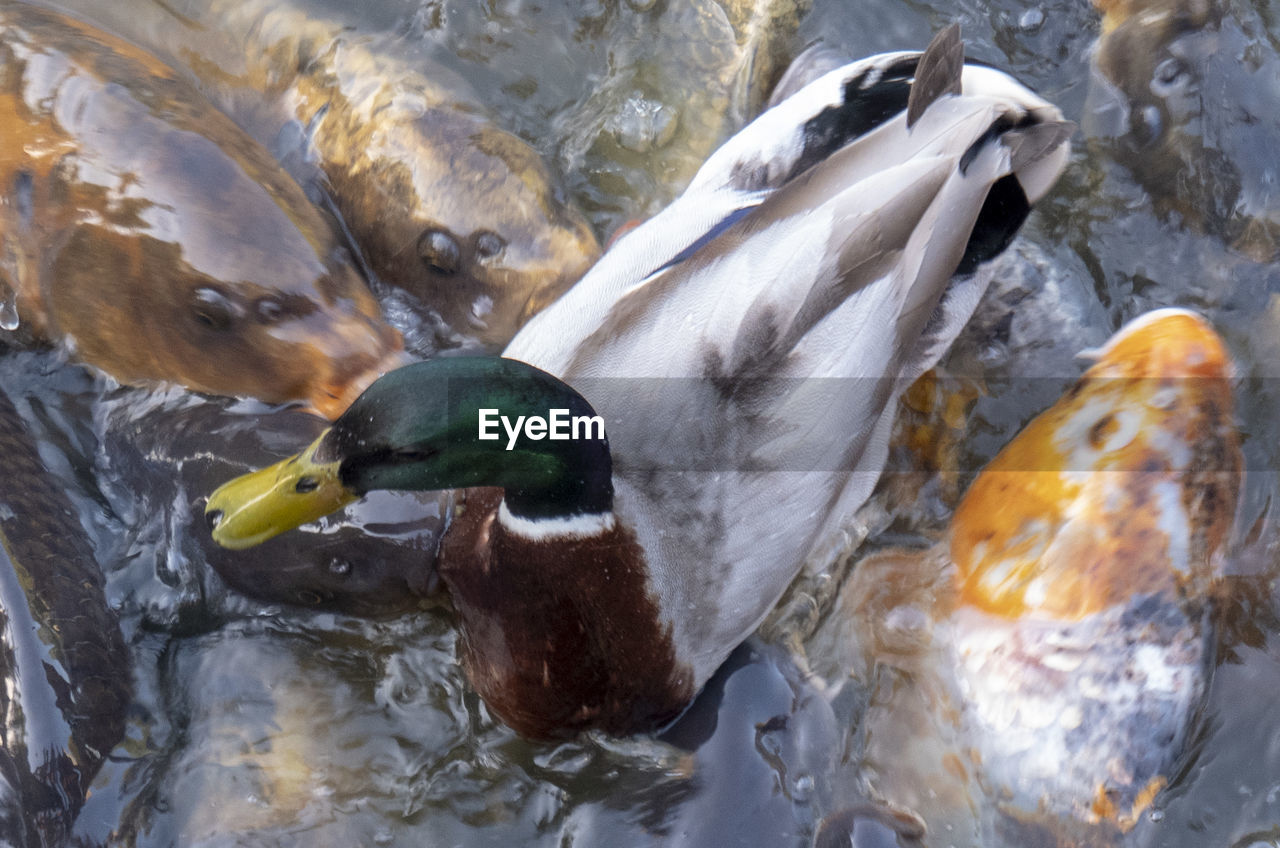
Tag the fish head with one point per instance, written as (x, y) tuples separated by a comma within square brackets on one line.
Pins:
[(1087, 554), (1125, 487), (197, 261), (1154, 52), (1158, 72), (466, 219)]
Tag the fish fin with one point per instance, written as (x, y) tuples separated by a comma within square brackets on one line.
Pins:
[(816, 60)]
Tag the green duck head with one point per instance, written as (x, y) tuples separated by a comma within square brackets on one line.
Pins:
[(440, 424)]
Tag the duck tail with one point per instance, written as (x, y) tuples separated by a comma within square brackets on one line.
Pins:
[(938, 72), (1019, 156), (820, 108), (823, 104), (1036, 152), (824, 111)]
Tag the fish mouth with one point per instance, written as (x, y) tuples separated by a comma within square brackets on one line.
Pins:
[(1168, 343), (262, 504), (330, 399)]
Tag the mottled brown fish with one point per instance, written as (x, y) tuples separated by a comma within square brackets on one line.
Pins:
[(1185, 90), (1086, 553), (138, 224), (157, 459), (679, 79), (442, 203)]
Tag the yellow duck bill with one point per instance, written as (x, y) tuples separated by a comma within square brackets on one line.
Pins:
[(253, 508)]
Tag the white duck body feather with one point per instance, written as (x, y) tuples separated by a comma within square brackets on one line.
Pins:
[(746, 346)]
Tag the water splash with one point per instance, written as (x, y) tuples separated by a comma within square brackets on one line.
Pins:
[(642, 124), (8, 306), (10, 271)]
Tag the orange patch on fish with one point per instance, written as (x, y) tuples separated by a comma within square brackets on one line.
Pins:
[(1126, 486), (1116, 12), (1106, 809), (931, 426)]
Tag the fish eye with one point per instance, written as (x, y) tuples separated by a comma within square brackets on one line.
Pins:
[(1171, 74), (1102, 430), (269, 310), (440, 251), (489, 244), (213, 309)]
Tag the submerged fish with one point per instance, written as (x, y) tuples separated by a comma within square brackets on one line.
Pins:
[(442, 203), (157, 464), (1186, 91), (680, 78), (1034, 678), (138, 224), (1085, 555), (65, 680)]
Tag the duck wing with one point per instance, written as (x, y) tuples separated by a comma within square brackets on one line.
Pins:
[(825, 259), (858, 106)]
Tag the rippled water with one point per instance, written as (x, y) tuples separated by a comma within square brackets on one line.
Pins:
[(261, 725)]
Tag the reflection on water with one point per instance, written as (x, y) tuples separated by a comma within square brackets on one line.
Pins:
[(264, 725)]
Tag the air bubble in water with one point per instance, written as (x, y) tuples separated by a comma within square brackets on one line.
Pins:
[(642, 124)]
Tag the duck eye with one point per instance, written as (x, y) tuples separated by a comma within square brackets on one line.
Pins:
[(269, 310), (440, 251), (213, 309), (489, 244)]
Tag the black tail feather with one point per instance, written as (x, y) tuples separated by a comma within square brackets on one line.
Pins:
[(938, 72)]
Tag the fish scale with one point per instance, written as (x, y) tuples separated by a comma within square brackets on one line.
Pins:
[(64, 659)]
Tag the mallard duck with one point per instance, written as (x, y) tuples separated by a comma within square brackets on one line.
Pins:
[(745, 348)]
